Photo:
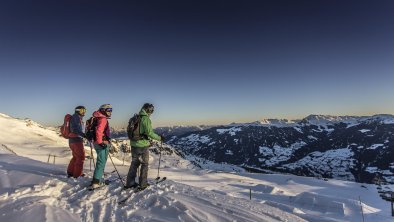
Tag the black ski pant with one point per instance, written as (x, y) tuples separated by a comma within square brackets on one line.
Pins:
[(139, 156)]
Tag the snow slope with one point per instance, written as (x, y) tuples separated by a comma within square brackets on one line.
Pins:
[(35, 191), (28, 138), (32, 190)]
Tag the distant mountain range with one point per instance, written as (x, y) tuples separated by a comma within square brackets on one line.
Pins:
[(345, 147), (165, 131)]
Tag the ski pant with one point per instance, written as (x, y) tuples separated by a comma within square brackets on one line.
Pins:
[(102, 156), (139, 156), (75, 167)]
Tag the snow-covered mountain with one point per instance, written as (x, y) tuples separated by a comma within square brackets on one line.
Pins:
[(28, 138), (33, 190), (165, 131), (344, 147)]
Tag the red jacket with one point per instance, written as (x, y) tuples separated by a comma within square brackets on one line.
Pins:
[(102, 128)]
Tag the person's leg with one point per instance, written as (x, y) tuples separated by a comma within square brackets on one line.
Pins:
[(70, 168), (135, 163), (79, 159), (102, 154), (144, 167), (106, 153)]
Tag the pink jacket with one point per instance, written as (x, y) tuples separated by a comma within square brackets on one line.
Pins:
[(102, 128)]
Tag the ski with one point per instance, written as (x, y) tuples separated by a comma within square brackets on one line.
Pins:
[(108, 181), (161, 180)]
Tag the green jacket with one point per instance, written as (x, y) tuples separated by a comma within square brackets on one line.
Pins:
[(145, 129)]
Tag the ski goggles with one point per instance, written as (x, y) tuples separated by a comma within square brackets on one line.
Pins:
[(81, 110), (108, 110)]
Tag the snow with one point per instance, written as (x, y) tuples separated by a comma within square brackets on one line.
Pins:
[(277, 154), (322, 121), (312, 137), (382, 118), (364, 130), (375, 146), (298, 129), (372, 169), (232, 131), (210, 144), (33, 190), (335, 161), (229, 152), (194, 140), (277, 122)]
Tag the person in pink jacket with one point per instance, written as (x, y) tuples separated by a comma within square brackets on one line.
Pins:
[(101, 142)]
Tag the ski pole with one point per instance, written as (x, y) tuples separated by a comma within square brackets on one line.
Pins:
[(120, 178), (158, 168), (90, 161), (91, 153)]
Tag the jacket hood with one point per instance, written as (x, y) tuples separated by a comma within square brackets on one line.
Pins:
[(143, 113), (99, 114)]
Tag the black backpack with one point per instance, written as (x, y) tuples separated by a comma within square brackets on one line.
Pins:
[(133, 128), (90, 129)]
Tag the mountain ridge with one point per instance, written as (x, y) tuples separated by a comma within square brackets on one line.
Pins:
[(351, 148)]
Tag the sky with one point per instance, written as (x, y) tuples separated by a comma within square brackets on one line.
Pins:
[(198, 62)]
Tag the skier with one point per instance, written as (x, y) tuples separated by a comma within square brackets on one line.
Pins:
[(140, 149), (101, 142), (75, 167)]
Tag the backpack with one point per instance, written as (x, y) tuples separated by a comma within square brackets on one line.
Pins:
[(65, 128), (90, 129), (133, 128)]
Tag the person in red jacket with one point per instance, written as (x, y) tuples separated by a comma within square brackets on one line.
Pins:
[(75, 167), (101, 142)]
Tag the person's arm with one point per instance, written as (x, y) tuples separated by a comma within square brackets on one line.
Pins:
[(148, 129)]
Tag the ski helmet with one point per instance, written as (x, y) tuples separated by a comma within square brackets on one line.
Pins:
[(106, 109), (81, 110), (149, 108)]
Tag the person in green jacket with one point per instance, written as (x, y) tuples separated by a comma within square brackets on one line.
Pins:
[(140, 144)]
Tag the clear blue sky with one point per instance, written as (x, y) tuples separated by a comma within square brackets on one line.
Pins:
[(198, 62)]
